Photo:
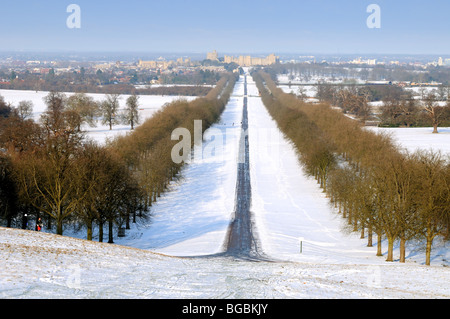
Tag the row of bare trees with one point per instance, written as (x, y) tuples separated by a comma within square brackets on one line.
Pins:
[(85, 110), (50, 170), (148, 150), (377, 188)]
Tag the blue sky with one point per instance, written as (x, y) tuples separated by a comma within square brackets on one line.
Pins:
[(232, 26)]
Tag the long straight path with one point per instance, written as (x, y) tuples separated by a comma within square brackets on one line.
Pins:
[(192, 218), (240, 241)]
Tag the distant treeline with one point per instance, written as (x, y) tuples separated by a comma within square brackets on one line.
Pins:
[(111, 82), (307, 71), (182, 90), (49, 170), (399, 107), (375, 187)]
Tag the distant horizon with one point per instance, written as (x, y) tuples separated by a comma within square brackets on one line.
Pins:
[(220, 54)]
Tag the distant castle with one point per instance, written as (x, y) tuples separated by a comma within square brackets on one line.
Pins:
[(164, 65), (213, 56), (244, 60)]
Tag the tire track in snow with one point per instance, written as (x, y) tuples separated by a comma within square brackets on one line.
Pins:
[(241, 240)]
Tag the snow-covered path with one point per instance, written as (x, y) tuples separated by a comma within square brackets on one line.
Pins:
[(193, 217), (289, 206)]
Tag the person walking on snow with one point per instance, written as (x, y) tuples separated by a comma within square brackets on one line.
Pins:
[(39, 224)]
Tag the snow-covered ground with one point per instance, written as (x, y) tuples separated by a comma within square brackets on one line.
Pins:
[(148, 104), (41, 265), (191, 220), (295, 78), (309, 91), (418, 138)]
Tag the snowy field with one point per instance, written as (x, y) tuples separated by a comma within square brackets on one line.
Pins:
[(418, 138), (309, 91), (191, 220), (295, 78), (148, 104)]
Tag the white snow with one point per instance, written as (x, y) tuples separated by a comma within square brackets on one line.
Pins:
[(418, 138), (40, 265), (191, 220), (309, 91)]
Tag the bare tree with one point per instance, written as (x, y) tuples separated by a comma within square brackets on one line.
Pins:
[(302, 94), (48, 175), (435, 112), (109, 108), (131, 113), (432, 198), (8, 191), (85, 107), (25, 109)]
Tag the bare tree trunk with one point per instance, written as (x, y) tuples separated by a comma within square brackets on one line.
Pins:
[(49, 222), (350, 215), (390, 256), (369, 236), (379, 250), (435, 128), (89, 229), (402, 250), (344, 210), (9, 221), (127, 224), (100, 231), (110, 232), (59, 227), (428, 251)]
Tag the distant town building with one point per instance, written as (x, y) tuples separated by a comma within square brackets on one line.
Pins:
[(251, 61), (360, 61), (162, 64), (147, 64), (103, 66), (212, 56)]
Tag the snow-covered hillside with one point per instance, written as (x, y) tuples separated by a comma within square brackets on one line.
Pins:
[(40, 265)]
